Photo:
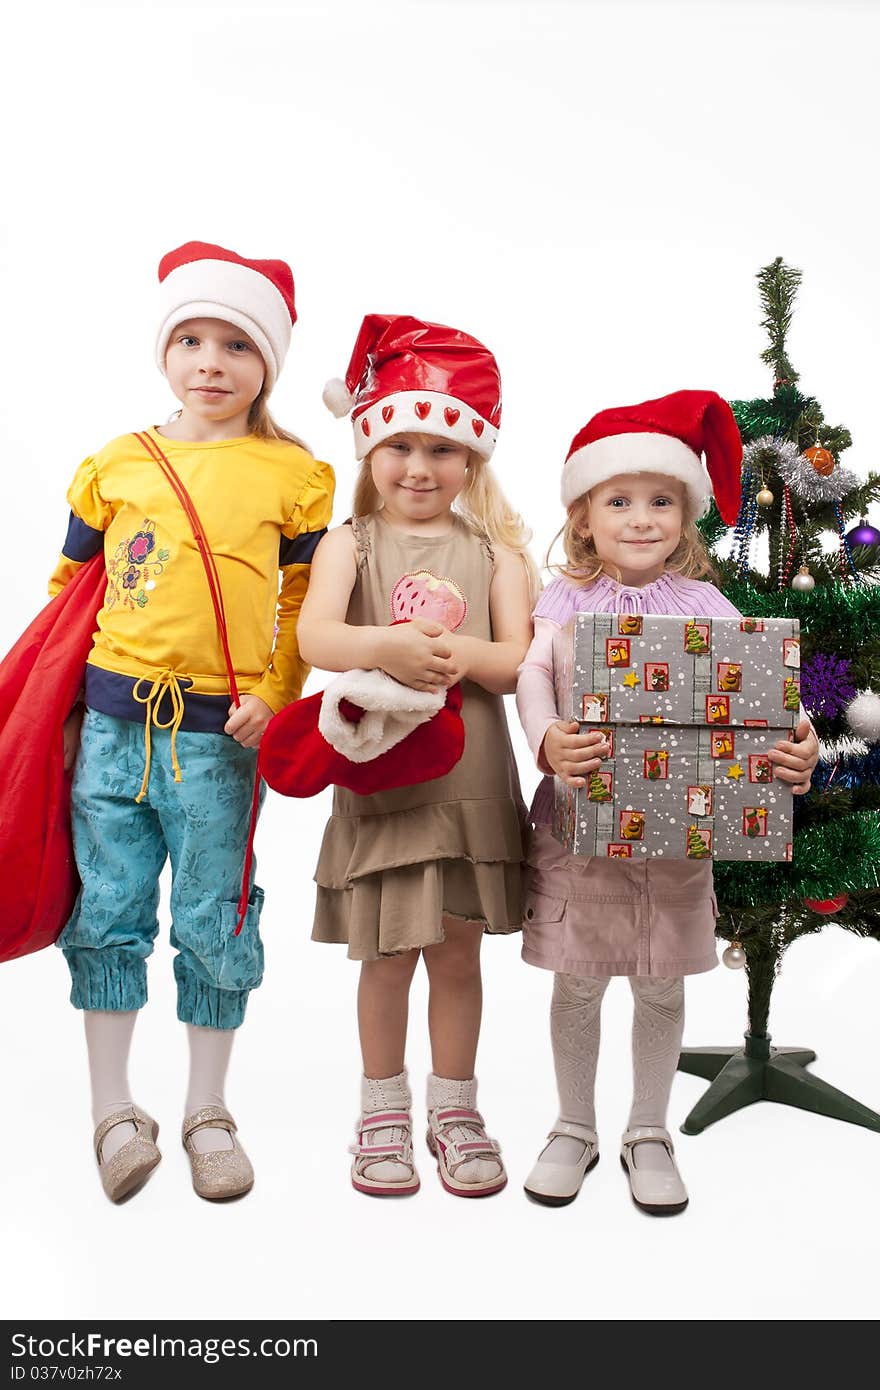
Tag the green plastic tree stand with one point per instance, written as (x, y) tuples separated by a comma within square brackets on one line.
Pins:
[(742, 1075)]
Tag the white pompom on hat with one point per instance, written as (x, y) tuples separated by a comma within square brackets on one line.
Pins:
[(199, 280), (337, 397)]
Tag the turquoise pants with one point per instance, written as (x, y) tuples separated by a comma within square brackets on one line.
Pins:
[(121, 847)]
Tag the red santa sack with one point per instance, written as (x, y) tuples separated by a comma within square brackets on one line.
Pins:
[(39, 681)]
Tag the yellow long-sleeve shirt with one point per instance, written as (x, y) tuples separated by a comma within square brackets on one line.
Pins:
[(264, 504)]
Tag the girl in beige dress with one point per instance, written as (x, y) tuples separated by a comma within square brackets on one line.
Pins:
[(424, 870)]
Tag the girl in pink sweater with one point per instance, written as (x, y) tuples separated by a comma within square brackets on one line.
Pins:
[(632, 485)]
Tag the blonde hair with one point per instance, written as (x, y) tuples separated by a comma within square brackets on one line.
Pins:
[(261, 423), (690, 558), (481, 505)]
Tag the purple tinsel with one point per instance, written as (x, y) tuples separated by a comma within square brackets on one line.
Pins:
[(826, 684)]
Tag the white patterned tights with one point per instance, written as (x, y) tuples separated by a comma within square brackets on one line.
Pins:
[(658, 1022)]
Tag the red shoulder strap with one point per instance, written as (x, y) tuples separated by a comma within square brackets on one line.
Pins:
[(156, 453), (183, 497)]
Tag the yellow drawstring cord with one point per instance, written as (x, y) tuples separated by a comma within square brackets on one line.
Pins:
[(168, 683)]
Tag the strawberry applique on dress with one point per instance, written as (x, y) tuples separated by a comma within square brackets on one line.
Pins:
[(426, 595)]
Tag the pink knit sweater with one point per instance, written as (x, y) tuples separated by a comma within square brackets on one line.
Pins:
[(535, 694)]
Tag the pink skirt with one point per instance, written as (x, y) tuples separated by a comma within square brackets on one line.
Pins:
[(600, 917)]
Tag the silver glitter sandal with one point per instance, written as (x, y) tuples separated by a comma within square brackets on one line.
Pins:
[(223, 1172), (131, 1165)]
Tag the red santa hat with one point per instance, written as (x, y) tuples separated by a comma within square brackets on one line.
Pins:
[(407, 374), (365, 731), (664, 436), (201, 281)]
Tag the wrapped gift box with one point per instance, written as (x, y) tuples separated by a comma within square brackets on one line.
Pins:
[(690, 707)]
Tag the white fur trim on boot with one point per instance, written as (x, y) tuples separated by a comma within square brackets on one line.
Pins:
[(391, 712), (468, 1161)]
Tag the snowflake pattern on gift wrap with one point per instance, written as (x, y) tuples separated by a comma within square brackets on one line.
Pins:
[(708, 755), (134, 568)]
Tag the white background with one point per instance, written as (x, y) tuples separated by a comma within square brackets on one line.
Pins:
[(590, 189)]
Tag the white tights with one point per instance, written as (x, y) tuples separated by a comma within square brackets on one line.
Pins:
[(658, 1023), (108, 1039)]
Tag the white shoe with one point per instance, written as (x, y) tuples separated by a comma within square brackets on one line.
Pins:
[(557, 1184), (658, 1191)]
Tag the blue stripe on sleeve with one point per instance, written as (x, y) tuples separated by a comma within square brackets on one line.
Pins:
[(82, 541), (300, 549)]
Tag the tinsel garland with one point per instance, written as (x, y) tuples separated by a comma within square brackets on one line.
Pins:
[(769, 452), (842, 747), (826, 684), (832, 857), (852, 611), (745, 522), (787, 539), (811, 487)]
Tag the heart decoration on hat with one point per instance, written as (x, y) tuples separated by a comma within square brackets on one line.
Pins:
[(412, 371)]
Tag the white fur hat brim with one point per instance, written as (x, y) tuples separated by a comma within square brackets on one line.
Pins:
[(236, 294), (422, 412), (640, 452)]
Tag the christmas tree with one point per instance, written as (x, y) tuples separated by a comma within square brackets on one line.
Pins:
[(598, 790), (795, 491), (696, 845)]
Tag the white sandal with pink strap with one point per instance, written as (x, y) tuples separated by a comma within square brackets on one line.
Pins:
[(398, 1152), (451, 1151)]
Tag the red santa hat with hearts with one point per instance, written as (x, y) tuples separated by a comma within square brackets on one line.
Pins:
[(202, 281), (668, 436), (408, 374)]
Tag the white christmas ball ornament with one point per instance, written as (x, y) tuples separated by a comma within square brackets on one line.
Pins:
[(337, 397), (863, 715), (734, 957), (803, 580)]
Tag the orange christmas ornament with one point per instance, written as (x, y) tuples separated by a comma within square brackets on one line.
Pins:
[(821, 459)]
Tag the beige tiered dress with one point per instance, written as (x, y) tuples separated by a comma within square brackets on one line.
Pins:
[(393, 864)]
